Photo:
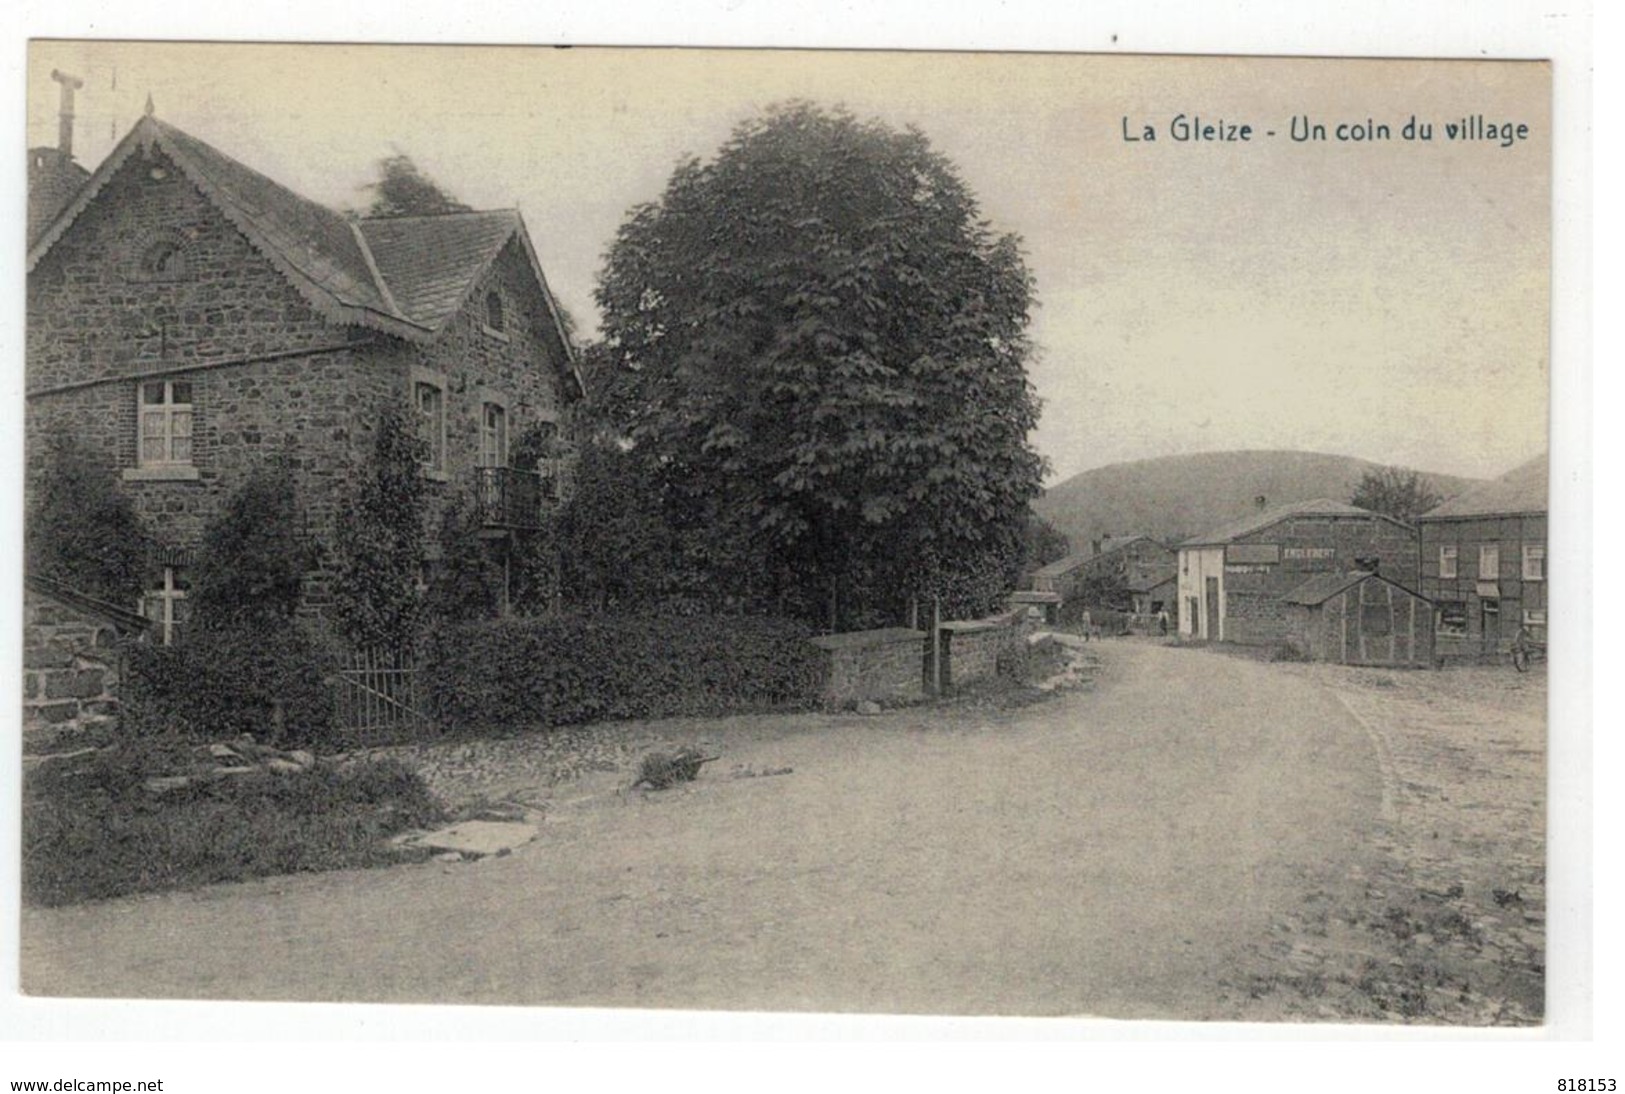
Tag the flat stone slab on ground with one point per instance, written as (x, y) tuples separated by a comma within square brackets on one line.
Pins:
[(477, 837)]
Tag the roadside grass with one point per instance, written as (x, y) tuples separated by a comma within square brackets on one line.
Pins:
[(92, 830)]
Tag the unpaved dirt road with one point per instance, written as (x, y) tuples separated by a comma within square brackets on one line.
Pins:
[(1117, 852)]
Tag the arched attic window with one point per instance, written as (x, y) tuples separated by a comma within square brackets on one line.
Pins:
[(163, 259)]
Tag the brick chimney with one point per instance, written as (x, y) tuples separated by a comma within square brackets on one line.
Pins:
[(53, 177), (64, 122)]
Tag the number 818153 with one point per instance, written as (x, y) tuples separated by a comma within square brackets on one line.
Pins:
[(1586, 1086)]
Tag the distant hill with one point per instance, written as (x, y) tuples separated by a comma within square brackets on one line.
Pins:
[(1176, 497)]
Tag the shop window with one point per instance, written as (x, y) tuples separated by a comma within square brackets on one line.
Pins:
[(1453, 617)]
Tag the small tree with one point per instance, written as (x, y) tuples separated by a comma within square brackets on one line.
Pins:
[(402, 190), (1396, 492), (83, 531), (375, 594), (250, 570)]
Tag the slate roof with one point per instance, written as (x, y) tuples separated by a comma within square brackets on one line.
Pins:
[(1142, 579), (1063, 565), (314, 238), (405, 276), (1078, 558), (1253, 522), (1521, 490), (1322, 587), (430, 263)]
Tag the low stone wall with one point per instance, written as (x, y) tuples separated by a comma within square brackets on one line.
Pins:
[(971, 648), (71, 665), (882, 665)]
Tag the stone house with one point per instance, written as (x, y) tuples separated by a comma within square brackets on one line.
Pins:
[(190, 319), (1484, 563), (1234, 581), (1123, 573)]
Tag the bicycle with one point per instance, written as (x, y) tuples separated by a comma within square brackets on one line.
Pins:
[(1527, 650)]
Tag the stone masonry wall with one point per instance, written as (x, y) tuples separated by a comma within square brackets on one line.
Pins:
[(94, 313), (518, 367), (971, 649), (881, 665), (71, 669)]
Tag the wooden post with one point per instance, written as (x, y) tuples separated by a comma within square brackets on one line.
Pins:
[(936, 645)]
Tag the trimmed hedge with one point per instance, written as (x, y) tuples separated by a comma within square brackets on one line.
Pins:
[(562, 670), (217, 685)]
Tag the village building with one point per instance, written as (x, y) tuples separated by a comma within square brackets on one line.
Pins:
[(1235, 581), (189, 319), (1484, 564), (1122, 573), (1360, 618)]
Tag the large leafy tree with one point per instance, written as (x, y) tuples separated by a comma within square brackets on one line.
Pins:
[(1396, 492), (819, 345), (403, 190)]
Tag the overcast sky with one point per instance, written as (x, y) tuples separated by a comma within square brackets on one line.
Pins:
[(1387, 300)]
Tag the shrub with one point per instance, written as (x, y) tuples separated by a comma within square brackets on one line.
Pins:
[(562, 670), (467, 584), (83, 531), (380, 544), (250, 571), (105, 835), (226, 683)]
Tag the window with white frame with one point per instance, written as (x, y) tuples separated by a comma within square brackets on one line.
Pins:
[(164, 411), (1447, 559), (493, 435), (1489, 562), (429, 399), (1534, 562), (165, 605)]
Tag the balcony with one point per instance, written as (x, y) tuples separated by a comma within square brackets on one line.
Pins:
[(514, 500)]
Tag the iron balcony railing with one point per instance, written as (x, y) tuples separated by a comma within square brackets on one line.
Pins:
[(511, 498)]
